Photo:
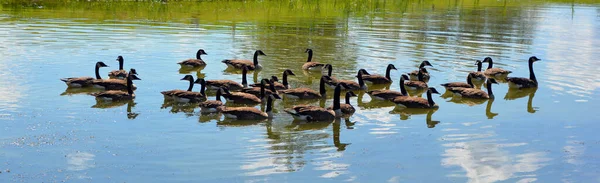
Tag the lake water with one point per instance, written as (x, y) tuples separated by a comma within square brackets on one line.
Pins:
[(48, 134)]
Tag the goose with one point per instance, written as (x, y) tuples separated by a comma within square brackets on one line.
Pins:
[(468, 84), (332, 82), (194, 62), (478, 76), (419, 84), (518, 82), (114, 84), (390, 94), (117, 95), (417, 102), (250, 113), (241, 98), (316, 113), (229, 84), (280, 86), (239, 64), (261, 91), (494, 72), (346, 108), (307, 93), (170, 94), (379, 79), (190, 96), (78, 82), (310, 65), (212, 106), (351, 85), (118, 74), (475, 93), (414, 74)]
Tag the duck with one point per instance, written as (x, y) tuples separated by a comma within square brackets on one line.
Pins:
[(519, 82), (351, 85), (239, 64), (494, 72), (307, 93), (475, 93), (250, 113), (468, 84), (212, 106), (191, 96), (170, 94), (390, 94), (114, 84), (414, 74), (79, 82), (417, 102), (118, 74), (117, 95), (240, 97), (379, 79), (419, 84), (478, 76), (332, 82), (194, 62), (229, 84), (261, 91), (311, 65), (280, 86)]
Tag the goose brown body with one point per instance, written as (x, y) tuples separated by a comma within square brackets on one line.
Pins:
[(468, 84), (390, 94), (494, 72), (379, 79), (417, 102), (414, 74), (250, 113), (194, 62), (118, 95), (191, 96), (121, 73), (239, 64), (169, 94), (79, 82), (310, 64), (307, 93), (531, 82), (475, 93), (417, 85), (211, 106), (478, 75)]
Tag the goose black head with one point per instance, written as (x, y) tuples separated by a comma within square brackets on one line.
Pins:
[(352, 94), (101, 64), (200, 81), (188, 77), (120, 58), (225, 90), (134, 77), (391, 66), (426, 63), (275, 96), (478, 62), (274, 79), (405, 77), (289, 72), (363, 71), (487, 59), (491, 80), (308, 50), (433, 90), (133, 71), (202, 52), (259, 52), (534, 59), (423, 70)]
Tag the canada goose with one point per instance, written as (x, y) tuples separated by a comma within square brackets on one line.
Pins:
[(475, 93), (229, 84), (478, 76), (518, 82), (414, 74), (191, 96), (118, 74), (310, 65), (240, 97), (390, 94), (346, 108), (316, 113), (212, 106), (417, 102), (307, 93), (379, 79), (261, 91), (332, 82), (468, 84), (239, 64), (280, 86), (250, 113), (194, 62), (419, 84), (351, 85), (79, 82), (171, 93), (114, 84), (494, 72), (118, 95)]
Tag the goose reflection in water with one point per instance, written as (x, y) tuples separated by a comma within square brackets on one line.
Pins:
[(188, 70), (406, 113), (176, 107), (102, 104), (76, 91), (514, 94)]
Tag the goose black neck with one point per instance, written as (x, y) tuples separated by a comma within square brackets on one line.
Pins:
[(479, 66), (469, 81), (272, 88), (191, 80), (489, 89), (347, 98), (420, 75), (98, 72), (361, 83), (336, 97), (531, 74), (402, 89), (269, 105), (219, 95), (262, 89), (329, 70), (322, 90), (387, 73), (285, 81), (490, 64), (422, 65), (121, 64), (310, 54), (430, 99), (129, 83), (198, 55), (203, 89), (255, 59), (244, 79)]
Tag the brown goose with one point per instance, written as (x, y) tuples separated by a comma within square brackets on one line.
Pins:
[(261, 91), (280, 86), (190, 96), (419, 84), (517, 82), (468, 84), (113, 84), (478, 76), (414, 74), (494, 72), (229, 84), (240, 98), (194, 62), (306, 93), (239, 64), (250, 113), (351, 85), (212, 106), (316, 113), (390, 94), (346, 108), (118, 95), (475, 93), (417, 102), (118, 74), (310, 65), (379, 79), (78, 82), (170, 94)]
